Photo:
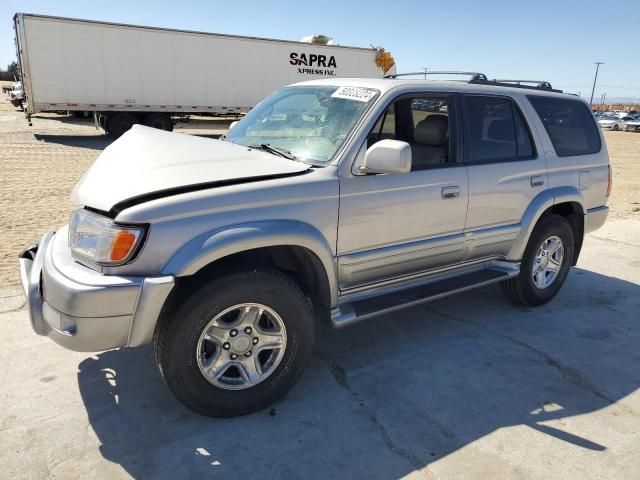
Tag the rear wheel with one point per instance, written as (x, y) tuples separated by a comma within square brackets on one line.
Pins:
[(121, 122), (161, 121), (236, 345), (545, 263), (615, 127)]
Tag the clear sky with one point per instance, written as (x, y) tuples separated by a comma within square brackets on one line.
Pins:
[(556, 40)]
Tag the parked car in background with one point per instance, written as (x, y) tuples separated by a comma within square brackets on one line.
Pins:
[(334, 200), (612, 122), (632, 125)]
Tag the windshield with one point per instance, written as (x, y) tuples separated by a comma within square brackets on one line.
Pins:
[(310, 122)]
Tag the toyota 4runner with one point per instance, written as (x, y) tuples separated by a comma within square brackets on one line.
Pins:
[(332, 200)]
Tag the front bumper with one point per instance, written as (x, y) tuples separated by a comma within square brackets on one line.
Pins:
[(84, 310)]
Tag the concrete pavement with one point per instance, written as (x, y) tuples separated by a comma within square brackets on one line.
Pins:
[(467, 387)]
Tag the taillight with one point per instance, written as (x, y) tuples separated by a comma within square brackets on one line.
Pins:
[(610, 184)]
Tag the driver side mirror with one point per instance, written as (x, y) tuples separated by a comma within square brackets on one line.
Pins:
[(387, 156)]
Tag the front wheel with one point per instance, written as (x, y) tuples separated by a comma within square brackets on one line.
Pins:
[(237, 344), (545, 263)]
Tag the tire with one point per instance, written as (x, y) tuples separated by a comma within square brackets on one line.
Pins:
[(120, 122), (523, 289), (161, 121), (179, 340), (615, 128)]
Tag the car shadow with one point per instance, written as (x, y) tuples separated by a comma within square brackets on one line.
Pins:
[(386, 397)]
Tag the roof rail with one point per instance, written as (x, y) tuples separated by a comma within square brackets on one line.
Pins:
[(481, 79), (530, 84), (475, 76), (537, 83)]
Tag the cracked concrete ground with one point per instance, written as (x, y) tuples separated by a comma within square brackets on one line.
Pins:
[(467, 387)]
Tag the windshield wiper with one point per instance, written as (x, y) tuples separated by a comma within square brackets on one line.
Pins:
[(275, 151)]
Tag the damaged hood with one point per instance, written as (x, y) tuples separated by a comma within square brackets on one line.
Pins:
[(150, 162)]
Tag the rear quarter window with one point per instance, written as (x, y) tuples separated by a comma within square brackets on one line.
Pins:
[(570, 125)]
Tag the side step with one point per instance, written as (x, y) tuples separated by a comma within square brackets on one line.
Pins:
[(370, 307)]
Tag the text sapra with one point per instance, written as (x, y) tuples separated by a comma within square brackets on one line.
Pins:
[(312, 60)]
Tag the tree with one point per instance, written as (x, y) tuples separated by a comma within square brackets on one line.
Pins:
[(13, 69)]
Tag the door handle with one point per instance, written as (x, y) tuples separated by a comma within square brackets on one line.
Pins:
[(450, 192), (537, 181)]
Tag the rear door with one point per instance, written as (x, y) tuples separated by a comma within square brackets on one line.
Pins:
[(506, 172)]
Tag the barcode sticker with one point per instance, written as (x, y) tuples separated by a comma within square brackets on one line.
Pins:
[(354, 93)]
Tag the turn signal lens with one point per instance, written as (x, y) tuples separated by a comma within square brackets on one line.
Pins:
[(122, 245)]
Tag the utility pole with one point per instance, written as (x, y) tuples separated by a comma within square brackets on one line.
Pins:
[(594, 81), (425, 72), (604, 97)]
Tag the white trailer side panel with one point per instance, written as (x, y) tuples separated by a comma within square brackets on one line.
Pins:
[(83, 65)]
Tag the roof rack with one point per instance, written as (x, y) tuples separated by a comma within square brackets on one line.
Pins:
[(482, 79), (475, 76)]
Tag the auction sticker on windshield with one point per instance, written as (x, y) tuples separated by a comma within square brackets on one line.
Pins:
[(354, 93)]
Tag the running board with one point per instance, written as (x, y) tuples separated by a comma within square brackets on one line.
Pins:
[(348, 313)]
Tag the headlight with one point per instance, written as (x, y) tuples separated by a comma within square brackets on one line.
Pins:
[(99, 240)]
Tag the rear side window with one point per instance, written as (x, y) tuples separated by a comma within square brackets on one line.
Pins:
[(570, 125), (496, 130)]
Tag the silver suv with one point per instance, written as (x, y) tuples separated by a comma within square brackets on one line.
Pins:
[(332, 200)]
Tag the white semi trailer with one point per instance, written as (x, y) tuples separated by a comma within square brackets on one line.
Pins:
[(128, 74)]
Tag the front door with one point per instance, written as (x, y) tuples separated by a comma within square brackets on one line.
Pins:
[(392, 226)]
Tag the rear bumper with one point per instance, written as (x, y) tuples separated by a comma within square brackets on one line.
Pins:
[(595, 218), (84, 310)]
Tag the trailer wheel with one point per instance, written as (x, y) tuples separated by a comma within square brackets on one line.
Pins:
[(161, 121), (121, 122)]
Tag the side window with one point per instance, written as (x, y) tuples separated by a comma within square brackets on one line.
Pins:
[(570, 125), (385, 127), (496, 130), (422, 122)]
